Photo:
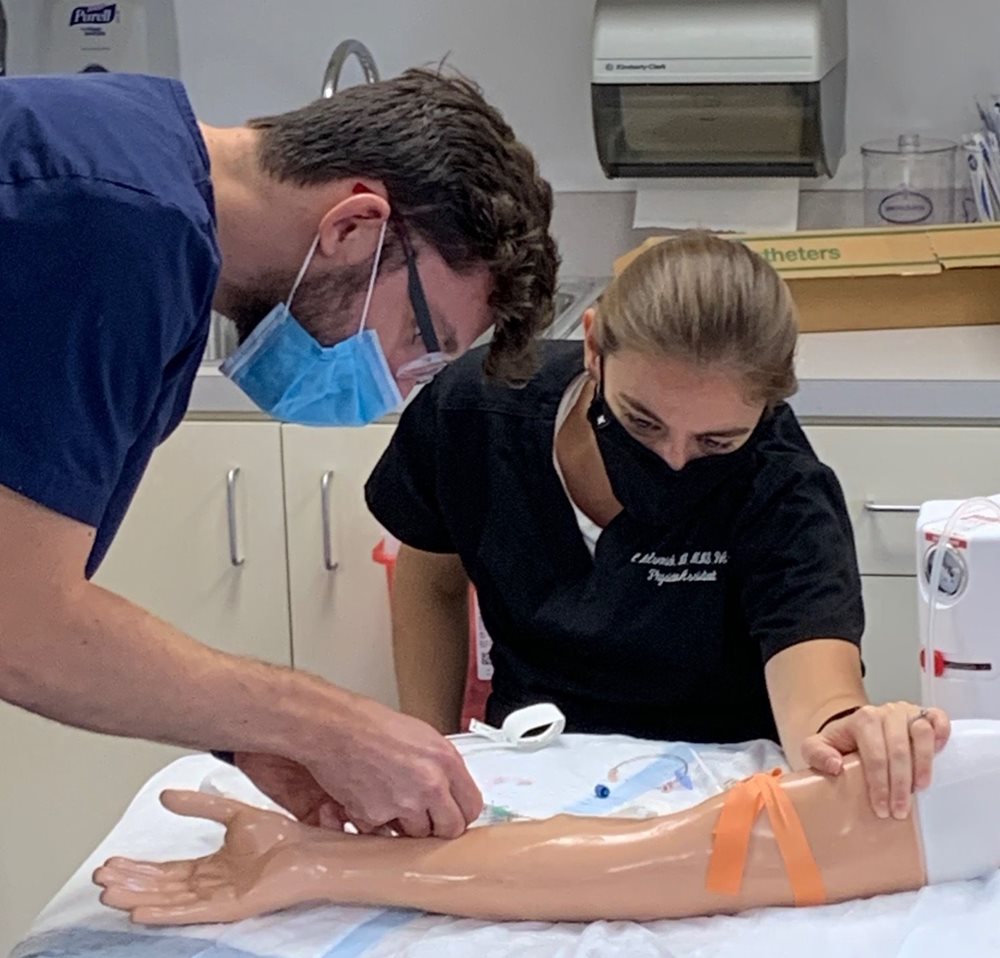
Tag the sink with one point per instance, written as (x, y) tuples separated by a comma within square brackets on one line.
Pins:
[(574, 296), (563, 300), (222, 340)]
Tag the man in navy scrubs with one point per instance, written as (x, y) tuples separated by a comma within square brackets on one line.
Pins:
[(357, 244)]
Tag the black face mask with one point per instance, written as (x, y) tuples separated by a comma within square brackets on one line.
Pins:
[(647, 487)]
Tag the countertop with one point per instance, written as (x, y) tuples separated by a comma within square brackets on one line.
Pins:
[(945, 373), (948, 373)]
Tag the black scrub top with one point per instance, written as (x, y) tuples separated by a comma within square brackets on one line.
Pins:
[(664, 633)]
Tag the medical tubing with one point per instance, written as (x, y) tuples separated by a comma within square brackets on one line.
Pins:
[(934, 581)]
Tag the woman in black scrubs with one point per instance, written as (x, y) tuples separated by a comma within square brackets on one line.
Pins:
[(654, 545)]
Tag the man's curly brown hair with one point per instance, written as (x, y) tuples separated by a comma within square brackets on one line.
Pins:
[(455, 174)]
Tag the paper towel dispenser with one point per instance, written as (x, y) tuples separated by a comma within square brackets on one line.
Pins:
[(685, 88)]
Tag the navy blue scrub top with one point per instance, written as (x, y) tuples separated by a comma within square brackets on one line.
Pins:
[(625, 641), (108, 265)]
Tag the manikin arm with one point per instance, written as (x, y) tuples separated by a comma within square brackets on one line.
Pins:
[(561, 869)]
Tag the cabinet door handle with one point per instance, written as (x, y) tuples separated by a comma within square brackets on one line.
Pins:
[(236, 556), (325, 485), (889, 507)]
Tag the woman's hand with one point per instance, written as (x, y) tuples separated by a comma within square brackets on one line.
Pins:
[(897, 744), (262, 866)]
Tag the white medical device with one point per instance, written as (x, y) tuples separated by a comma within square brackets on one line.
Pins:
[(958, 562), (685, 88)]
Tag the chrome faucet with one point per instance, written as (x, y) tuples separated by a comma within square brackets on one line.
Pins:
[(3, 42), (345, 49)]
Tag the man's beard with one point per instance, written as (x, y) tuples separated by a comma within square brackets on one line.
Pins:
[(328, 307)]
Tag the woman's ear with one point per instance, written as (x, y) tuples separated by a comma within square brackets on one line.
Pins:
[(591, 356)]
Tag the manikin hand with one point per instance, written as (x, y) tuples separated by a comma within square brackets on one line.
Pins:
[(249, 875)]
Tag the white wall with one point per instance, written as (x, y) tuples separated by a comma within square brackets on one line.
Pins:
[(915, 64), (531, 57)]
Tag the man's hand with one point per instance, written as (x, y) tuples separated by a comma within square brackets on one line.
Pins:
[(382, 768), (291, 786), (381, 771)]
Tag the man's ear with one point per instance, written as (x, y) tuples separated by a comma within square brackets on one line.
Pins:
[(349, 230)]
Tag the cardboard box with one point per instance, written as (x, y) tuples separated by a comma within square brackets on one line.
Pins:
[(884, 278)]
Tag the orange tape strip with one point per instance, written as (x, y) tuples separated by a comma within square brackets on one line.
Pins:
[(731, 840)]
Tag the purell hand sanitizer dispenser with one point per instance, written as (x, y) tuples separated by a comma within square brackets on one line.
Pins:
[(127, 36)]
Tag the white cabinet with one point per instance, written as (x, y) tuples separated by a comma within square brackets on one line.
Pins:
[(63, 789), (203, 545), (891, 644), (904, 465), (900, 465), (339, 597)]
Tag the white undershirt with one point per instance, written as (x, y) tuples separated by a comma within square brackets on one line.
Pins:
[(589, 529)]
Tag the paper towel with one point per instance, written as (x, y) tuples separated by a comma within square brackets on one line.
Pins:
[(738, 205)]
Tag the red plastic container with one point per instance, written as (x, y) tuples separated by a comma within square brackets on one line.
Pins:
[(480, 671)]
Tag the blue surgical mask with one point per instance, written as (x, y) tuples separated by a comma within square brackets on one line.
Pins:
[(289, 375)]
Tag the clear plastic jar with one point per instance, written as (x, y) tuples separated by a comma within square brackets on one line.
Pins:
[(909, 181)]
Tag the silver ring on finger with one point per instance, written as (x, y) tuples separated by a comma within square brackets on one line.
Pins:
[(921, 715)]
